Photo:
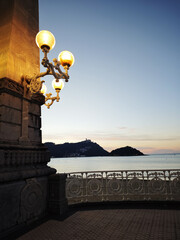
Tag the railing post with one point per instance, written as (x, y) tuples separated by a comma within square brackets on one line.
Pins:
[(57, 202)]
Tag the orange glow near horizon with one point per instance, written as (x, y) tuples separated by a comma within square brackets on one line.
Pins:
[(147, 147)]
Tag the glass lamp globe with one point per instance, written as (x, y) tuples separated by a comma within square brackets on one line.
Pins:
[(43, 89), (46, 39), (57, 84), (66, 58)]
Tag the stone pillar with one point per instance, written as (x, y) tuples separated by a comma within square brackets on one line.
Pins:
[(23, 158), (19, 24), (57, 204)]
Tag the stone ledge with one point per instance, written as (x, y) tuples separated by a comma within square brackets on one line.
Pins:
[(16, 89), (24, 173)]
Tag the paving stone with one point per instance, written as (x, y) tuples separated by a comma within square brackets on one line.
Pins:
[(114, 224)]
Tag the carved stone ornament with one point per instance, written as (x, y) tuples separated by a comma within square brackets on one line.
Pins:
[(23, 157), (35, 85), (32, 201), (7, 84)]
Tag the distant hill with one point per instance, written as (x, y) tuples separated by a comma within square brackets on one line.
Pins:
[(87, 148), (80, 149), (126, 151)]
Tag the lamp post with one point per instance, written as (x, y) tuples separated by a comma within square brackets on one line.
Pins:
[(45, 40)]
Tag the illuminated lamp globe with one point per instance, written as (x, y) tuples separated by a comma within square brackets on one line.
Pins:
[(66, 58), (57, 84), (45, 39), (43, 89)]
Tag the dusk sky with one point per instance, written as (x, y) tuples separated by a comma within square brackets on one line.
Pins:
[(124, 86)]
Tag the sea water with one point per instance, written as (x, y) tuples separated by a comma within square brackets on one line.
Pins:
[(81, 164)]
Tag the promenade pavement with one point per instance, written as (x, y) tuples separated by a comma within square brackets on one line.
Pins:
[(114, 224)]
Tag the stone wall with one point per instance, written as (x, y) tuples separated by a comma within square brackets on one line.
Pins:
[(20, 114), (23, 158), (22, 202)]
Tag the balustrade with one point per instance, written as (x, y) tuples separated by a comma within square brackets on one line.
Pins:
[(125, 185)]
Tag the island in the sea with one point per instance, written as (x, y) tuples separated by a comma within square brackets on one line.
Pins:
[(126, 151), (87, 148)]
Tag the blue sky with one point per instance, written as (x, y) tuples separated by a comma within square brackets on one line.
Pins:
[(124, 85)]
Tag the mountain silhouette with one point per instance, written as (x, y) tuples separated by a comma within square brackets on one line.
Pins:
[(85, 148)]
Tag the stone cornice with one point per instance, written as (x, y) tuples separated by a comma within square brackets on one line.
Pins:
[(9, 86), (38, 98), (24, 173)]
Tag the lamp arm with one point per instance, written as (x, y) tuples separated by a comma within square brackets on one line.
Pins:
[(50, 68), (50, 103), (52, 72), (57, 97), (64, 75), (43, 74), (51, 99), (57, 67), (28, 79)]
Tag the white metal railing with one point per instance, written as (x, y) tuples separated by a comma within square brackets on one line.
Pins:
[(134, 185)]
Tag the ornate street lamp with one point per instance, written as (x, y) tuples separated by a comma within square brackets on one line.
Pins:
[(45, 40)]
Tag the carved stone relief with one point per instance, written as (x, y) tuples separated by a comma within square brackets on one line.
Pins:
[(8, 84), (32, 200)]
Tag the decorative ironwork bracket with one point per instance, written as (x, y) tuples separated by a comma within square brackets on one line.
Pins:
[(34, 84), (52, 99)]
